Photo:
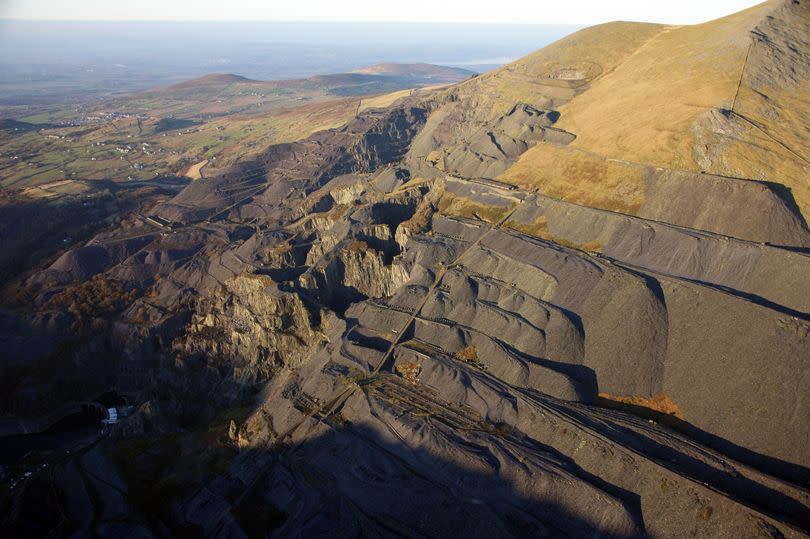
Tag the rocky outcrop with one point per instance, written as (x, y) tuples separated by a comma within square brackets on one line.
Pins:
[(461, 139), (355, 272), (251, 328)]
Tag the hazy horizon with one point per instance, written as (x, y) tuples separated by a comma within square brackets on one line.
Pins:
[(69, 60), (582, 12), (49, 54)]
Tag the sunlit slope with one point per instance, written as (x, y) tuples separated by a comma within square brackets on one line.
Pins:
[(555, 74), (671, 103), (479, 127)]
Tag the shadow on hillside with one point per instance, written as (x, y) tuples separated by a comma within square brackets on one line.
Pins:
[(739, 487), (364, 483), (33, 231), (793, 473), (170, 124), (352, 482), (785, 193), (436, 479), (348, 482)]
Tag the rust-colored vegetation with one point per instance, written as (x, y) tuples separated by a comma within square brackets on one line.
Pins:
[(468, 354), (93, 302), (660, 403), (451, 204), (409, 370)]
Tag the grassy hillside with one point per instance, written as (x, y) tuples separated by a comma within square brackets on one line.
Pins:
[(680, 98), (557, 73)]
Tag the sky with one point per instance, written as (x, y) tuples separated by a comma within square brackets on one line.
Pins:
[(579, 12)]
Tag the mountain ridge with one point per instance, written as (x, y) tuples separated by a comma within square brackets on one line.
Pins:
[(213, 78), (418, 71)]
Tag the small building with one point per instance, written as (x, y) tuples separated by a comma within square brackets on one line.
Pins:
[(112, 416)]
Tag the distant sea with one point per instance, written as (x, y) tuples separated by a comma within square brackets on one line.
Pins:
[(60, 61)]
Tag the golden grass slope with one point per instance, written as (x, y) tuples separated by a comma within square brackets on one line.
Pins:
[(555, 74), (654, 105), (382, 101), (643, 110)]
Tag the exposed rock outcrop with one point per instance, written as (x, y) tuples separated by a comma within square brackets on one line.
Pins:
[(251, 327)]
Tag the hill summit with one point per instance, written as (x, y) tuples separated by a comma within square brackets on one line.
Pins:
[(415, 70), (214, 78)]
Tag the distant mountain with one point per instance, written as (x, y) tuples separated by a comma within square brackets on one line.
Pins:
[(415, 74), (225, 93), (214, 78), (420, 70)]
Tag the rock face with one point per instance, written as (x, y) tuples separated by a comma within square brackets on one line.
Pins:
[(251, 323), (357, 271), (454, 315)]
